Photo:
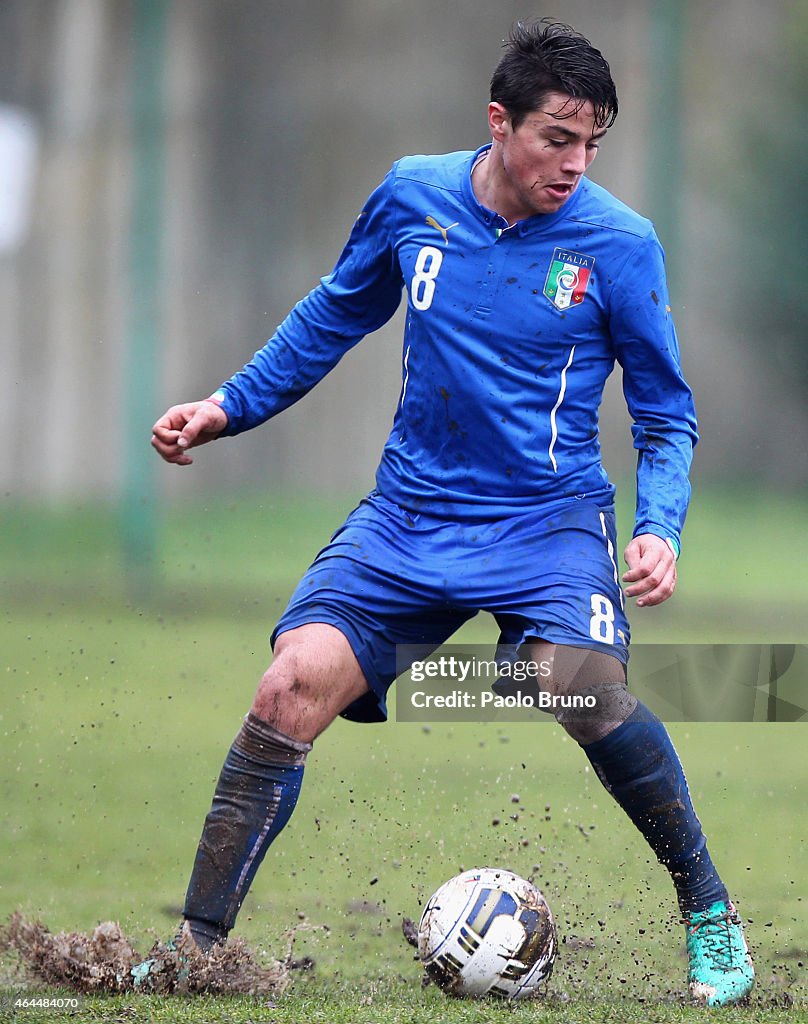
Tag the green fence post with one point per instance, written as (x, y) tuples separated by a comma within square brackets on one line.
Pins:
[(138, 513), (666, 165)]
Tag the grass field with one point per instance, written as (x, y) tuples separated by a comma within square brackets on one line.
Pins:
[(117, 714)]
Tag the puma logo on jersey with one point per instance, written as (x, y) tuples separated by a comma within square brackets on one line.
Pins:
[(444, 231)]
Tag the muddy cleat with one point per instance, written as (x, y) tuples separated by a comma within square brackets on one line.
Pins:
[(142, 972), (149, 975), (169, 970), (720, 968)]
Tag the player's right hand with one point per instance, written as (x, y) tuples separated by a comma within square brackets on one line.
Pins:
[(187, 426)]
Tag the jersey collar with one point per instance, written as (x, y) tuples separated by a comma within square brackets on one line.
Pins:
[(531, 225)]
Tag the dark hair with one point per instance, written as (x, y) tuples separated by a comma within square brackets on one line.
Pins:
[(546, 56)]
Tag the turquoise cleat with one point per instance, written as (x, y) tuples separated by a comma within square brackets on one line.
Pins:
[(720, 968), (162, 973), (168, 970), (141, 974)]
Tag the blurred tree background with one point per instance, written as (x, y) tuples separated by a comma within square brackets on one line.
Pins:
[(767, 195), (179, 172)]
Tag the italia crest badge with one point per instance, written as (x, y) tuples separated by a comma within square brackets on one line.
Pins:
[(568, 278)]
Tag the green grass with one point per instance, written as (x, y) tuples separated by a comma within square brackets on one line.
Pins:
[(118, 711), (395, 1002)]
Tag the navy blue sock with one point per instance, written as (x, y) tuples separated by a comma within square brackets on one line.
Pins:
[(254, 798), (640, 768)]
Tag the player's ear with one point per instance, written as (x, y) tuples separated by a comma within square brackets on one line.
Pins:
[(499, 121)]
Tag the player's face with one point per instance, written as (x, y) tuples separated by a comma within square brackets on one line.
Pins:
[(543, 160)]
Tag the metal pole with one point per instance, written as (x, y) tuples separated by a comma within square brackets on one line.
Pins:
[(666, 158), (138, 505)]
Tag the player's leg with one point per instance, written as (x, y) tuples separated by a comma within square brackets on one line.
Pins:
[(632, 755), (638, 764), (313, 677), (335, 653), (579, 605)]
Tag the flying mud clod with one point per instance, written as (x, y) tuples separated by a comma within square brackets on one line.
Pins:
[(102, 961)]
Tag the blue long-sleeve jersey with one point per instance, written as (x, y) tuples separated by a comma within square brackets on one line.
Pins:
[(511, 333)]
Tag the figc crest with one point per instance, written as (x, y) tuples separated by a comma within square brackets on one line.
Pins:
[(568, 278)]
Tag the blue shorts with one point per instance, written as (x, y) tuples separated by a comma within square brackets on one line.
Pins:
[(391, 577)]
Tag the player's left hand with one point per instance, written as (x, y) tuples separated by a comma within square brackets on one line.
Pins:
[(651, 569)]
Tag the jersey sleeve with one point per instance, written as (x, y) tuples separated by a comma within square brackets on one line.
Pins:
[(359, 296), (658, 398)]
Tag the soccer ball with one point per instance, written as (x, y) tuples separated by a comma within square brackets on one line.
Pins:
[(487, 931)]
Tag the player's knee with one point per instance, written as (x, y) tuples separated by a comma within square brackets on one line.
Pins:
[(588, 689), (286, 694), (313, 677), (591, 711)]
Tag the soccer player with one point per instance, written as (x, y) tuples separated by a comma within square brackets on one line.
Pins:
[(525, 282)]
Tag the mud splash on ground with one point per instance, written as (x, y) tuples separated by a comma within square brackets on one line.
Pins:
[(102, 961)]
